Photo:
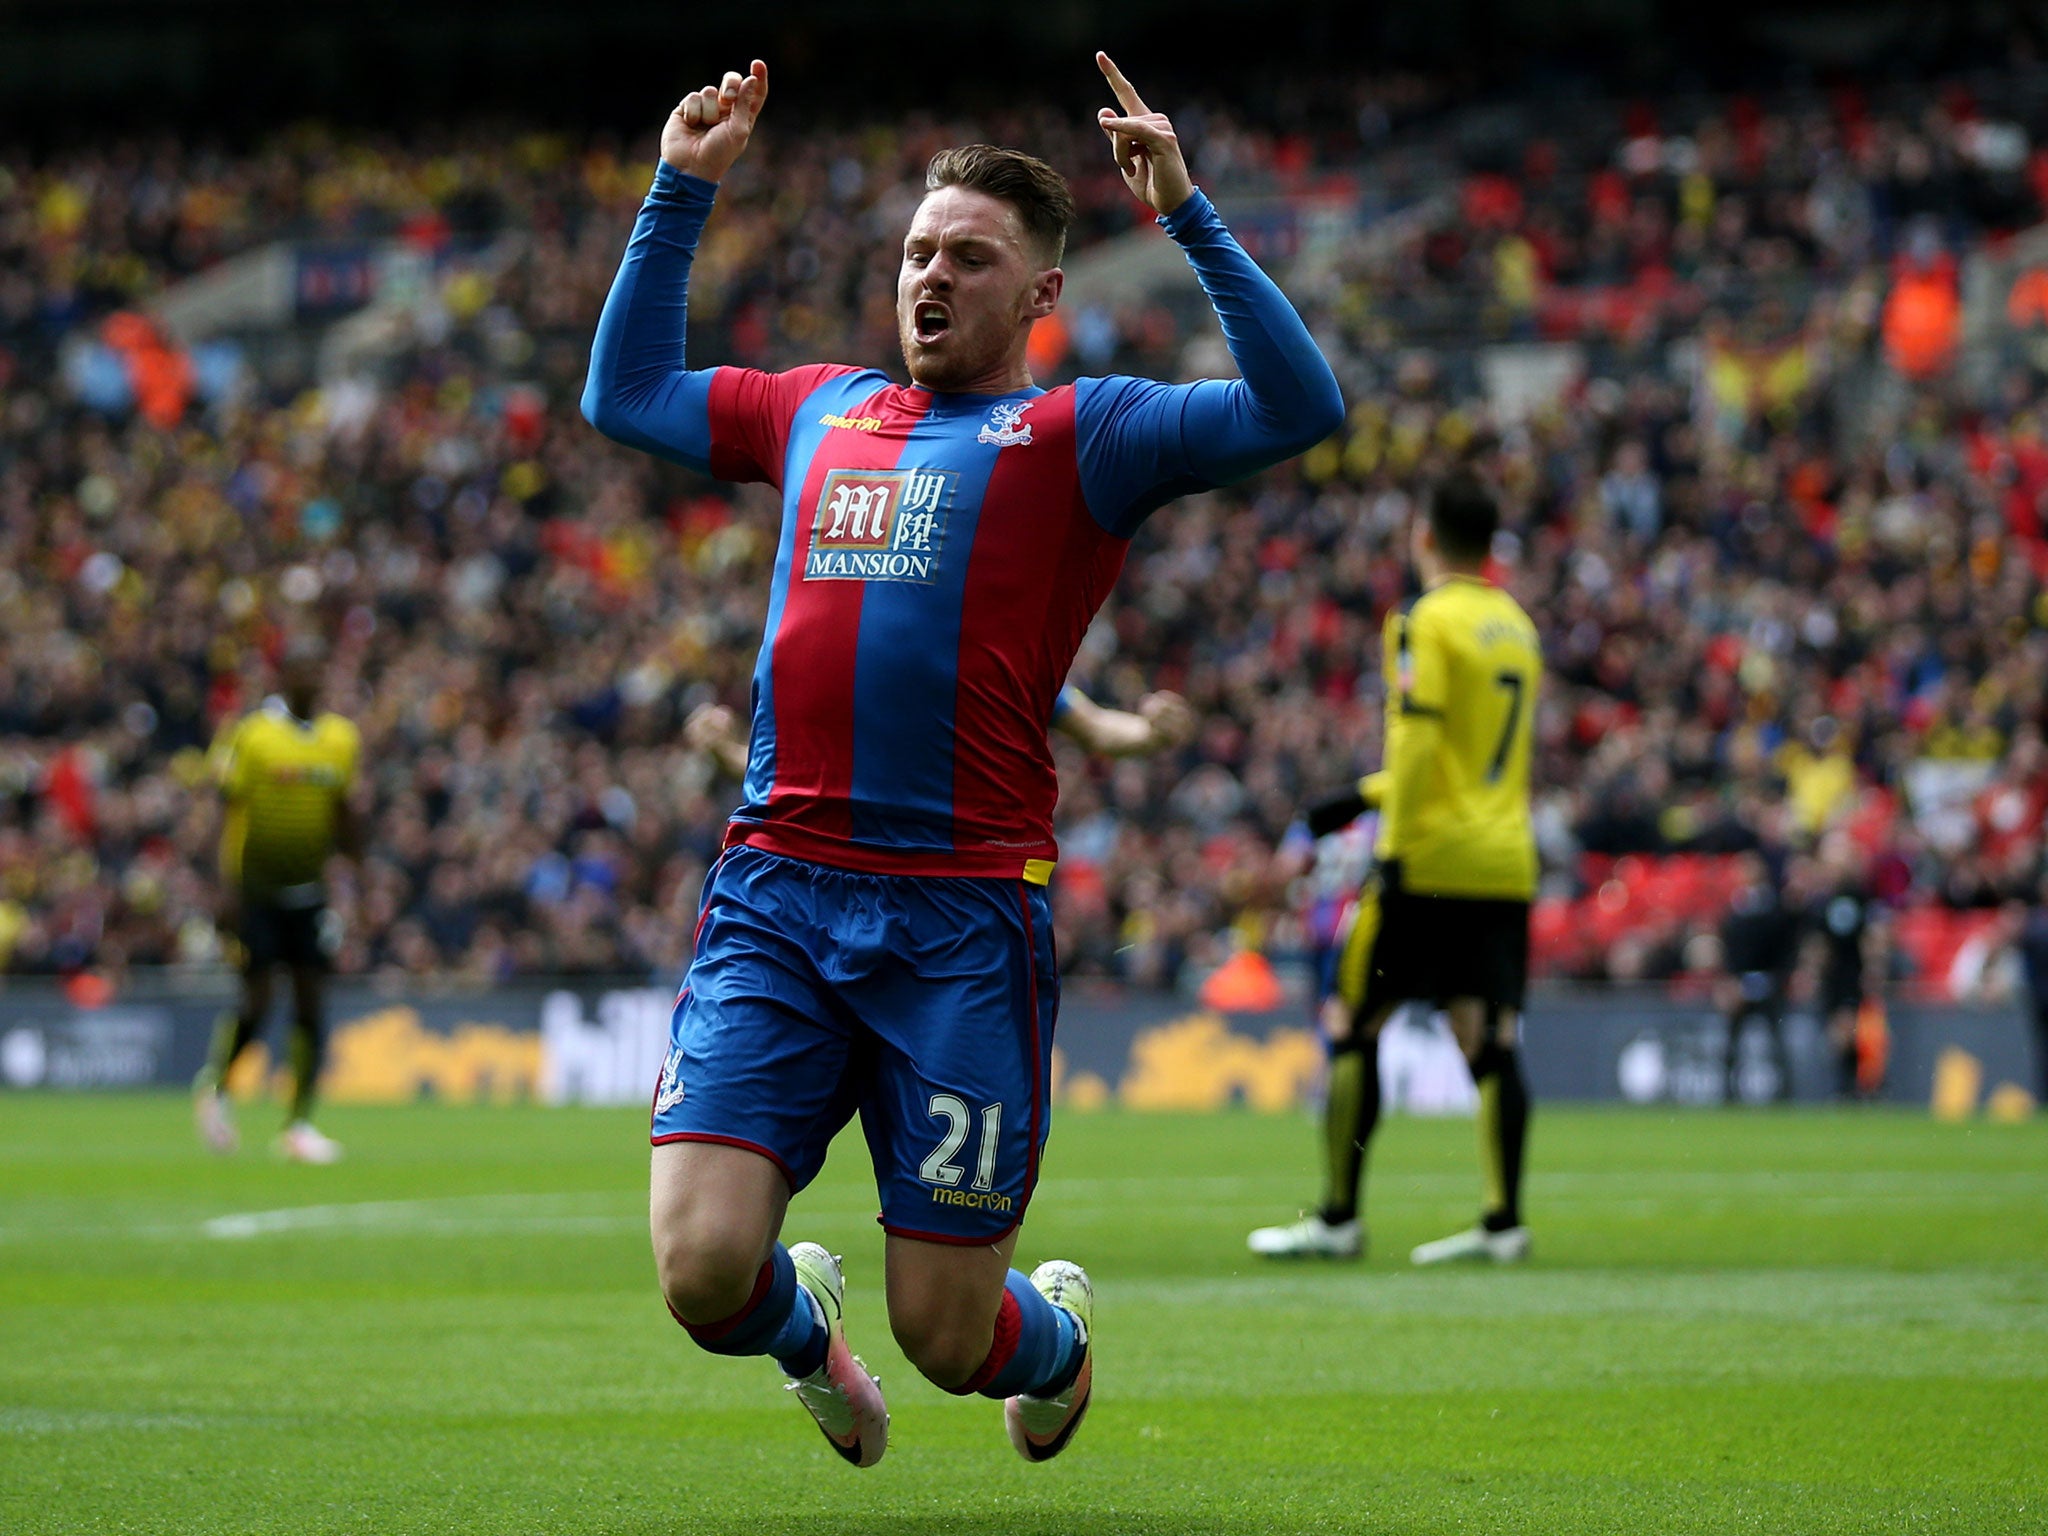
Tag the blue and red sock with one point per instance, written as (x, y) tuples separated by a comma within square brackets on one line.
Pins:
[(779, 1320), (1038, 1347)]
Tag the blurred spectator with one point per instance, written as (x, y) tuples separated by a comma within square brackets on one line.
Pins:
[(1758, 946), (1923, 315), (1787, 591), (1631, 495)]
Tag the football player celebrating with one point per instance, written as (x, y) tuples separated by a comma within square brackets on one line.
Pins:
[(876, 935)]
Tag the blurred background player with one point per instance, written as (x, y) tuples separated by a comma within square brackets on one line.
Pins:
[(1161, 722), (1759, 944), (1444, 918), (876, 932), (286, 773), (1844, 958)]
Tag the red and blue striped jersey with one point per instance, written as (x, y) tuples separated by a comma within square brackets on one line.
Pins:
[(940, 555)]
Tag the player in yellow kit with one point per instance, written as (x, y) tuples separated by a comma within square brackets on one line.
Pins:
[(286, 774), (1444, 917)]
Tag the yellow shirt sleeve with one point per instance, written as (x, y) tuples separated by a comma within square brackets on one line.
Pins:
[(1412, 747), (229, 762), (1424, 664)]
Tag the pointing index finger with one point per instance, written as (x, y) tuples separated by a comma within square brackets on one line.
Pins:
[(1126, 94)]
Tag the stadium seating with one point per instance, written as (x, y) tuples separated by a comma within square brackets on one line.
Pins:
[(1787, 582)]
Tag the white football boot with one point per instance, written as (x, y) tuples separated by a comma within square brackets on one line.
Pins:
[(1309, 1238), (300, 1143), (1040, 1427), (841, 1395), (1476, 1244), (216, 1122)]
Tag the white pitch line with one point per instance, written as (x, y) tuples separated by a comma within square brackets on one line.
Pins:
[(59, 1421), (1630, 1194), (2000, 1301), (464, 1213)]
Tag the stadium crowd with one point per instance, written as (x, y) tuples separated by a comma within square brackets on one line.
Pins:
[(1768, 615)]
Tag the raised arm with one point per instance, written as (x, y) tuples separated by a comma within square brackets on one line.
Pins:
[(1155, 441), (1286, 400), (640, 390)]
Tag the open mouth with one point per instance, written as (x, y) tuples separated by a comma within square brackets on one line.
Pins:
[(930, 321)]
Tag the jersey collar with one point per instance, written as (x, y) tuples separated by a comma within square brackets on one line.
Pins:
[(971, 401), (277, 706)]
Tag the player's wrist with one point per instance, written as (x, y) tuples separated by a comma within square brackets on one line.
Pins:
[(1185, 213), (680, 187)]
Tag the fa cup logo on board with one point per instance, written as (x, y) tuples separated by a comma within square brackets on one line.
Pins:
[(1002, 430)]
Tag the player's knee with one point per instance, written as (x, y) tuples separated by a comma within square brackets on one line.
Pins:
[(946, 1350), (705, 1273)]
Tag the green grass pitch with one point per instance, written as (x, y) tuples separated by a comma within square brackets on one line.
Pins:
[(1763, 1322)]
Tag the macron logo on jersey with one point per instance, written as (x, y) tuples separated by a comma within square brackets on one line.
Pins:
[(879, 525)]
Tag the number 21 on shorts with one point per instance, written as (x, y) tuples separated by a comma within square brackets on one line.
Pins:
[(939, 1167)]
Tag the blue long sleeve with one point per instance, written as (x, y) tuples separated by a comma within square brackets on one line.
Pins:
[(1143, 443), (640, 391), (1287, 399)]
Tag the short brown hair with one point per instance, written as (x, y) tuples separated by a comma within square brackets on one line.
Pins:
[(1037, 191)]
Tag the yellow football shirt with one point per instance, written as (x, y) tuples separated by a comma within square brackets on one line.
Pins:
[(285, 781), (1463, 665)]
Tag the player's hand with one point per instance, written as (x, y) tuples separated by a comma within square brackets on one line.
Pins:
[(715, 731), (1171, 718), (710, 727), (1334, 1020), (1143, 142), (709, 128)]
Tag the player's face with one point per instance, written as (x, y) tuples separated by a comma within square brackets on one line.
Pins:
[(970, 286)]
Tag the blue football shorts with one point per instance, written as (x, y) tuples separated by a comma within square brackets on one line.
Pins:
[(925, 1003)]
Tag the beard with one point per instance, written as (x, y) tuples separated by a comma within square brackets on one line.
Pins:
[(962, 355)]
